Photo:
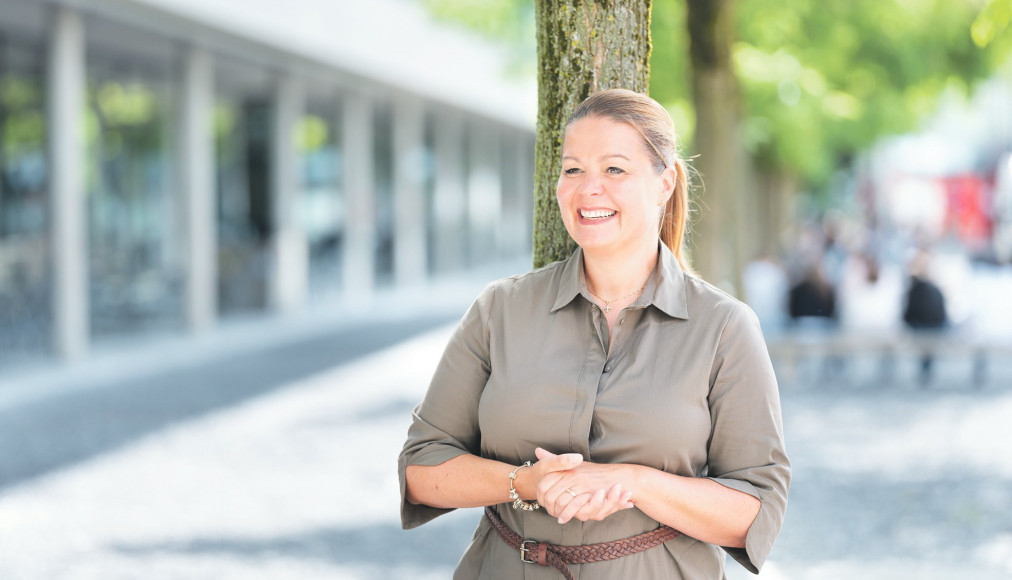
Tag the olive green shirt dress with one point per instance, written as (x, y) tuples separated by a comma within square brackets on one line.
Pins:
[(684, 385)]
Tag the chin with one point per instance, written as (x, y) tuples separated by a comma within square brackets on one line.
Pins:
[(597, 245)]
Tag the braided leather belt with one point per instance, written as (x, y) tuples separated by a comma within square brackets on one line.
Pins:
[(558, 557)]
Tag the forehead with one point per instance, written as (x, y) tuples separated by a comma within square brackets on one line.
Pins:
[(602, 136)]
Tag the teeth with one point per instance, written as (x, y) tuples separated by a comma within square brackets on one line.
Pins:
[(596, 214)]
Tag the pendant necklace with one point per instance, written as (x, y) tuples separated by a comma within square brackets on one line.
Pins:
[(607, 303)]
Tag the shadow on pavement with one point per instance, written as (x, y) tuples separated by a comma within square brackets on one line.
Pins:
[(440, 544), (39, 437)]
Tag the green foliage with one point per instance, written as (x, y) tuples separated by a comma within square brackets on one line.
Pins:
[(821, 79), (311, 134), (23, 126), (991, 29), (509, 21), (825, 79), (669, 74)]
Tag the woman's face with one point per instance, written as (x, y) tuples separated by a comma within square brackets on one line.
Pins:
[(610, 195)]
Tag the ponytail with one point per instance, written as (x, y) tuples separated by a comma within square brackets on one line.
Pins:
[(676, 216)]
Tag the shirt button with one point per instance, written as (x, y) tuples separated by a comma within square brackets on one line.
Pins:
[(607, 368)]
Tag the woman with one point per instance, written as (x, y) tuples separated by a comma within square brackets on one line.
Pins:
[(642, 397)]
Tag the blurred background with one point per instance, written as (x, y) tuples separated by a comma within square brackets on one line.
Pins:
[(235, 235)]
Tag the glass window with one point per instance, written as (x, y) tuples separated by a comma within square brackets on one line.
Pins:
[(242, 133), (134, 270), (322, 209), (25, 260)]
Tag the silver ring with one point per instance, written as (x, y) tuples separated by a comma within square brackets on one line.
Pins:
[(570, 491)]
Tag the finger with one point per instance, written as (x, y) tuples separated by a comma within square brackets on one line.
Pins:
[(615, 492), (594, 509), (559, 494), (573, 505), (622, 498), (611, 501), (559, 502), (553, 462), (550, 489), (546, 484), (542, 453)]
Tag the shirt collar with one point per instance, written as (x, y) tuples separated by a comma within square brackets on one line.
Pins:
[(665, 288), (571, 282)]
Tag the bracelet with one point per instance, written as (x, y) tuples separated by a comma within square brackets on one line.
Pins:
[(519, 504)]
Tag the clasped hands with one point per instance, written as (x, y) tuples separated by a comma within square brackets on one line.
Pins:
[(573, 488)]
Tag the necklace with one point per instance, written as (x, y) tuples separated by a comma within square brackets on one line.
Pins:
[(607, 303)]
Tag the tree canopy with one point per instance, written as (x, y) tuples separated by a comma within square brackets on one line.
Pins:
[(820, 80), (826, 79)]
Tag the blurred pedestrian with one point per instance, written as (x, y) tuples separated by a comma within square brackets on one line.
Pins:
[(812, 297), (924, 309), (811, 305), (609, 396)]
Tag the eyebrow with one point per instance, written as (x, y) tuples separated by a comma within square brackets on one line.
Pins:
[(609, 156)]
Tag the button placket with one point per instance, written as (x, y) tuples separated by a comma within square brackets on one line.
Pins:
[(589, 385)]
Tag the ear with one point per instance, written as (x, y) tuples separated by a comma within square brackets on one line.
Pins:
[(668, 178)]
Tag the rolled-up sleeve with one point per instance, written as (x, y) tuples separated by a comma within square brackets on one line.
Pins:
[(746, 450), (445, 424)]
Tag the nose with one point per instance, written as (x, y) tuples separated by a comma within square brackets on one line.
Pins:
[(591, 184)]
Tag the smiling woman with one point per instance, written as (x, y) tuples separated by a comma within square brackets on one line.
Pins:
[(611, 197), (644, 411)]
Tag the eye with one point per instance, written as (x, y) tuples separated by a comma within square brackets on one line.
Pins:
[(571, 171), (615, 170)]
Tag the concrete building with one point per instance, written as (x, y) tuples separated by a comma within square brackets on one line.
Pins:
[(167, 164)]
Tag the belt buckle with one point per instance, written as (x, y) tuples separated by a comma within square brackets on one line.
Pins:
[(524, 549)]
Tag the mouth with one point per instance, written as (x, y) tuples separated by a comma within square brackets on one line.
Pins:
[(596, 214)]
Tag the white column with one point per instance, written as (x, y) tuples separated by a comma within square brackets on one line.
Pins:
[(484, 193), (360, 241), (516, 218), (410, 252), (196, 166), (450, 201), (288, 278), (68, 228)]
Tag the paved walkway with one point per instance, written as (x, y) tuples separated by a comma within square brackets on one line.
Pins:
[(293, 475)]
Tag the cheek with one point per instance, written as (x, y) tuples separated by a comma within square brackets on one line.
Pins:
[(560, 198), (563, 192)]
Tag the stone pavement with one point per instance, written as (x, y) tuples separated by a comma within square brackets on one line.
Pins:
[(297, 480)]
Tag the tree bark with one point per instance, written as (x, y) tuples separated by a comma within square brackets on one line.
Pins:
[(583, 46), (719, 237), (777, 189)]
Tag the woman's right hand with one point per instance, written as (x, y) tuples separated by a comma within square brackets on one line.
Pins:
[(587, 504), (528, 481)]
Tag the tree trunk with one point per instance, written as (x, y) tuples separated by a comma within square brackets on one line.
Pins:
[(718, 242), (777, 189), (583, 46)]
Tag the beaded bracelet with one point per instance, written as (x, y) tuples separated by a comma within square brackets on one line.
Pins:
[(519, 504)]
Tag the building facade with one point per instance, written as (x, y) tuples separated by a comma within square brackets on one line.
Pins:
[(167, 164)]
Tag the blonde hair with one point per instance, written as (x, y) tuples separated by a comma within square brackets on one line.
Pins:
[(654, 124)]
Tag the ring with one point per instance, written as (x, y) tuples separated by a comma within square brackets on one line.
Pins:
[(570, 492)]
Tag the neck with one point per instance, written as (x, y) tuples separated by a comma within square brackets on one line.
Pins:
[(612, 275)]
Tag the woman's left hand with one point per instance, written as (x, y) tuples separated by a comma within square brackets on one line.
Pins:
[(589, 491)]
